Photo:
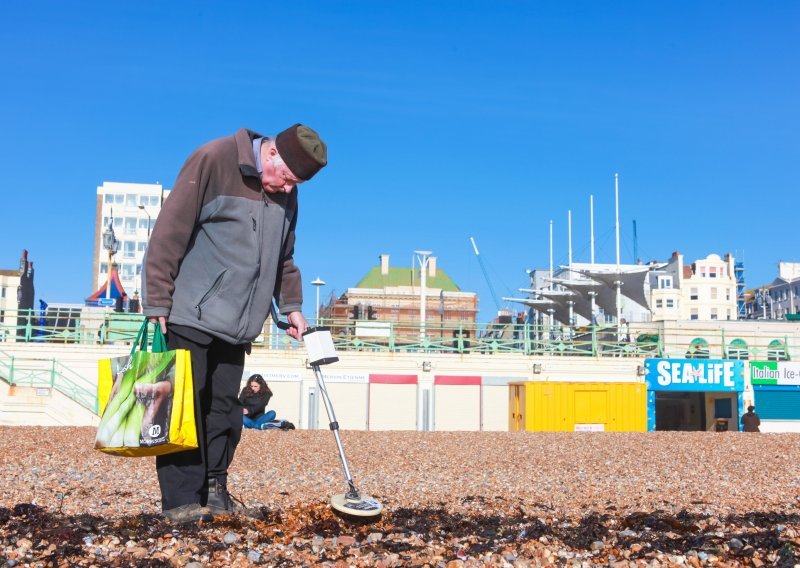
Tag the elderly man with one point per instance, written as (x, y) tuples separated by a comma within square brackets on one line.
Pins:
[(222, 248)]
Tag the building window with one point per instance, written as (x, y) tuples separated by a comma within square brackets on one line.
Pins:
[(141, 247), (103, 268), (118, 222), (144, 200), (127, 271), (713, 293), (727, 294), (130, 225), (776, 351), (659, 303), (155, 201), (665, 282), (130, 200), (138, 269), (108, 198), (130, 249), (693, 314), (714, 313), (712, 272), (3, 292), (143, 224), (693, 294), (698, 349), (737, 349), (119, 199), (670, 303)]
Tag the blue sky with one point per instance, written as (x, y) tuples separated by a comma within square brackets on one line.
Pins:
[(444, 120)]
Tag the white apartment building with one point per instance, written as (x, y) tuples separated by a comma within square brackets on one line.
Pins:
[(132, 208), (9, 282), (704, 290)]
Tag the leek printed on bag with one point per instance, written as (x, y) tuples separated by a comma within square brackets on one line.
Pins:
[(139, 409)]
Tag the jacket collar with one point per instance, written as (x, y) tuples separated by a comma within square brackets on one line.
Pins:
[(244, 147)]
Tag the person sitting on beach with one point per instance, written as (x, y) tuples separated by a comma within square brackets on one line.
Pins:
[(254, 399)]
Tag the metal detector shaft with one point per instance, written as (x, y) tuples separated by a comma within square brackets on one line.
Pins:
[(334, 426)]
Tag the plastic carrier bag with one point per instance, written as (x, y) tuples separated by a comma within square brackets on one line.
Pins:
[(146, 400)]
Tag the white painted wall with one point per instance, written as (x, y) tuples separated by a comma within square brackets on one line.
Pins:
[(392, 407)]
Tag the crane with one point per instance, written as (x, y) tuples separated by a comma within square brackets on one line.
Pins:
[(485, 274)]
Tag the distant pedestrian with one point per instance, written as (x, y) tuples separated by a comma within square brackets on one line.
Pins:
[(750, 420)]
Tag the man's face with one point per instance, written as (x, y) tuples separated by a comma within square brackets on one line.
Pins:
[(276, 176)]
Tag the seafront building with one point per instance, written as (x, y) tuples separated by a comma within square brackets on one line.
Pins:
[(703, 290), (390, 296), (131, 209), (779, 299), (9, 282), (583, 294)]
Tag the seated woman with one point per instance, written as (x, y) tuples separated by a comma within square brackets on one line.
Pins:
[(254, 399)]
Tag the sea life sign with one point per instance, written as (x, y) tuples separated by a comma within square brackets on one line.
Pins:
[(694, 375)]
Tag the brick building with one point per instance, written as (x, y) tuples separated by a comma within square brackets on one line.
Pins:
[(392, 294)]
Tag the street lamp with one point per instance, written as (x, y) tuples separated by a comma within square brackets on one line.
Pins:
[(111, 244), (423, 257), (148, 220), (318, 283)]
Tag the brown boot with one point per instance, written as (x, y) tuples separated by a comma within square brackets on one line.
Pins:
[(190, 513)]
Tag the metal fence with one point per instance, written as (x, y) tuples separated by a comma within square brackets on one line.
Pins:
[(754, 340), (48, 373)]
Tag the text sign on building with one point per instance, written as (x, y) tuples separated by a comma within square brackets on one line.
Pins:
[(774, 373), (694, 375)]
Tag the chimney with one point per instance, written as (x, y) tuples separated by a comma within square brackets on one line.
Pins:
[(384, 264), (432, 266)]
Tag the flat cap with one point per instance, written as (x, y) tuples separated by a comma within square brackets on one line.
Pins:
[(302, 150)]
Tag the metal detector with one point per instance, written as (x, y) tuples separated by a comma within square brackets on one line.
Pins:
[(320, 349)]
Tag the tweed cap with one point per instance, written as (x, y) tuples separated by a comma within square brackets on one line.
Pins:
[(302, 150)]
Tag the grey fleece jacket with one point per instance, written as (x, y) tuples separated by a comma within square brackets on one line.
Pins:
[(222, 247)]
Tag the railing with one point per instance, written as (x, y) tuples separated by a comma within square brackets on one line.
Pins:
[(755, 340), (48, 373)]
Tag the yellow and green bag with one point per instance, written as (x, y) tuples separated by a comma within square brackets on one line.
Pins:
[(146, 400)]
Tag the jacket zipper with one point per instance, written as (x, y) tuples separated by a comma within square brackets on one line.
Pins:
[(258, 228), (207, 295)]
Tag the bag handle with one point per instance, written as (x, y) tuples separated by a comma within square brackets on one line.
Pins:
[(159, 341), (159, 344)]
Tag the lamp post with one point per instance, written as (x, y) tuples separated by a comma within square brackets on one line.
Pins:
[(423, 256), (149, 222), (111, 244), (318, 283)]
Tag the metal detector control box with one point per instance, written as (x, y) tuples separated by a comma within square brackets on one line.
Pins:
[(319, 346)]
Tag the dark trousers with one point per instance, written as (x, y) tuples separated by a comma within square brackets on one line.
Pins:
[(217, 368)]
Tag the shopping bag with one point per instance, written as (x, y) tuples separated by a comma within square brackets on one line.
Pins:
[(146, 400)]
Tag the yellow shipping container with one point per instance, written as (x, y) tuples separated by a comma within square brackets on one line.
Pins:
[(568, 407)]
